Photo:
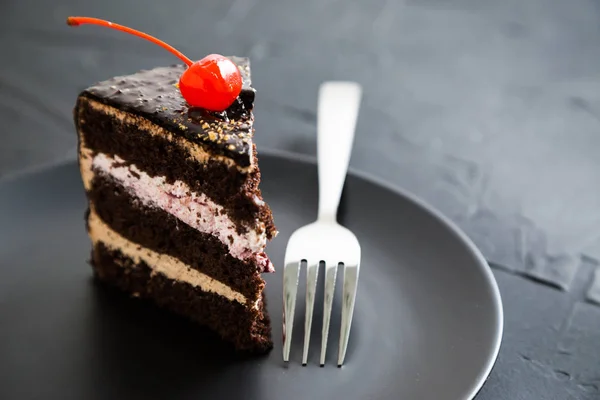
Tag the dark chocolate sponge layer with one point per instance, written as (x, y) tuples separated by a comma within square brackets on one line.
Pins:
[(154, 95), (246, 328), (157, 156), (159, 231)]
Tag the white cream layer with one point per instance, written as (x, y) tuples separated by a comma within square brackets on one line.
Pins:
[(169, 266), (196, 210)]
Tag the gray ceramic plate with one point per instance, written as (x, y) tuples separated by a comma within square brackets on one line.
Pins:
[(427, 324)]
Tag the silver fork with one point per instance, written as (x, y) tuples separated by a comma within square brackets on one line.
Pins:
[(325, 240)]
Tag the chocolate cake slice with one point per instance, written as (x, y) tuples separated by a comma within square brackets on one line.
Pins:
[(175, 212)]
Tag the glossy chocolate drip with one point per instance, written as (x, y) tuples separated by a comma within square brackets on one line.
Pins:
[(154, 95)]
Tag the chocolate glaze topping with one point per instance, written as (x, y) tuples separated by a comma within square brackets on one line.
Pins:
[(154, 95)]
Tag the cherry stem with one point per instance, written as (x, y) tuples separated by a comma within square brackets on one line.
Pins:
[(76, 21)]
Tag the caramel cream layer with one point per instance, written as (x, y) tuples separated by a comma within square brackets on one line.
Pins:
[(150, 128), (164, 264)]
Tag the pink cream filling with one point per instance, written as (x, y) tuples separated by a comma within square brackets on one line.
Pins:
[(196, 210)]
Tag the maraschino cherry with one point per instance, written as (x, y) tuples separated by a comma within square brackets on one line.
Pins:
[(212, 83)]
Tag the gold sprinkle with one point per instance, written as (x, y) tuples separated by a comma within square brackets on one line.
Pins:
[(176, 85), (212, 136), (182, 127), (231, 147), (226, 137), (205, 126)]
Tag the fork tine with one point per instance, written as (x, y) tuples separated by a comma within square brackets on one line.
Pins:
[(330, 274), (349, 296), (291, 271), (312, 271)]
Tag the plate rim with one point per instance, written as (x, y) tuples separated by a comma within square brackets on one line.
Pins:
[(452, 227)]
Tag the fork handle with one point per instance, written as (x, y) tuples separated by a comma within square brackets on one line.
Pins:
[(336, 121)]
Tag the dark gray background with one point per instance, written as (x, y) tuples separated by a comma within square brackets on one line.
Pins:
[(489, 110)]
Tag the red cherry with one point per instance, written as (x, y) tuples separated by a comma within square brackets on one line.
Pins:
[(212, 83)]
